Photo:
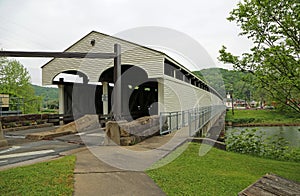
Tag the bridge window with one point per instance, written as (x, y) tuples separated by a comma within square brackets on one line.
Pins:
[(186, 79), (179, 75), (175, 71), (169, 69)]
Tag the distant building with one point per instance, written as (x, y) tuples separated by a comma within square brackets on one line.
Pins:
[(228, 101), (4, 102)]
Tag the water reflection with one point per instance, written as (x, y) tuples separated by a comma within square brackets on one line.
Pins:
[(290, 133)]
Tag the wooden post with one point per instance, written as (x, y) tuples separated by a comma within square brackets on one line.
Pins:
[(105, 97), (117, 105), (61, 99), (3, 142)]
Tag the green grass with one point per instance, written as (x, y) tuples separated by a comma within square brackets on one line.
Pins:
[(47, 178), (217, 173), (260, 116)]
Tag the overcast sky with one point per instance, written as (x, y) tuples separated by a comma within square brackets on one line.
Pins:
[(54, 25)]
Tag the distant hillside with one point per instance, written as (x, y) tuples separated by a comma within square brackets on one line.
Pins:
[(224, 80), (49, 96), (48, 93)]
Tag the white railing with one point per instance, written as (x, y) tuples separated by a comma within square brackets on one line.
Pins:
[(195, 118)]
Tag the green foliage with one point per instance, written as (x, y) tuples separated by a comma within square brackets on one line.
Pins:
[(239, 82), (274, 28), (243, 120), (49, 96), (216, 173), (47, 178), (250, 142), (261, 116), (48, 93), (15, 81)]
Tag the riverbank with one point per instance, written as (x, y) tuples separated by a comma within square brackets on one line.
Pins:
[(255, 118), (260, 124)]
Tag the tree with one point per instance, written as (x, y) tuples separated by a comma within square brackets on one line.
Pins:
[(15, 81), (223, 80), (274, 28)]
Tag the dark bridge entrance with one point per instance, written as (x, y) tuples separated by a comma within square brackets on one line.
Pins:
[(139, 93)]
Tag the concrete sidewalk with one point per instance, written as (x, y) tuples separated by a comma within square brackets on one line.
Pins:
[(94, 177)]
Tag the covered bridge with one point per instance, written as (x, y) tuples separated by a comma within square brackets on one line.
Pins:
[(151, 81)]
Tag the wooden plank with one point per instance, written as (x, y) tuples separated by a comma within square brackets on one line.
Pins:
[(271, 184), (57, 54), (255, 191)]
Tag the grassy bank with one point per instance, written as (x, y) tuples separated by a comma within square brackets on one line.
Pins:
[(261, 117), (217, 173), (47, 178)]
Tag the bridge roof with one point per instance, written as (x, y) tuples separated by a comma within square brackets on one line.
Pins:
[(168, 57)]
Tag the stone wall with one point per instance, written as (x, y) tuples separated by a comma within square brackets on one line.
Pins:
[(23, 120)]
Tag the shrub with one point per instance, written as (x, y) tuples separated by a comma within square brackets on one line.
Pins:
[(243, 120), (26, 123), (40, 121), (251, 142)]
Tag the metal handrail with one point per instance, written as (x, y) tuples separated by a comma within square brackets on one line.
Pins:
[(170, 121)]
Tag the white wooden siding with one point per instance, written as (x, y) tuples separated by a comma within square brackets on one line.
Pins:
[(179, 96), (151, 61)]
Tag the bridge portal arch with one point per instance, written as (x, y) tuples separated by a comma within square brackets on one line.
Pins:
[(139, 92), (65, 80)]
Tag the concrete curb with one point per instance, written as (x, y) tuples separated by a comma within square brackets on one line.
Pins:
[(29, 162), (73, 151)]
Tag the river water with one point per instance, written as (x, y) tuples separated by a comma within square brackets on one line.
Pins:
[(290, 133)]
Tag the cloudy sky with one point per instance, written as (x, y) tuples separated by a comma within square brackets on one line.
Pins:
[(53, 25)]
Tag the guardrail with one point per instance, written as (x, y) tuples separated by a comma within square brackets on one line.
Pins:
[(10, 113), (195, 118)]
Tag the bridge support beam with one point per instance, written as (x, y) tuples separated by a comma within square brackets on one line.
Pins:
[(61, 103), (160, 89), (117, 93), (105, 97)]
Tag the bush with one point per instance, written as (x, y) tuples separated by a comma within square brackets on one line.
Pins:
[(243, 120), (251, 142)]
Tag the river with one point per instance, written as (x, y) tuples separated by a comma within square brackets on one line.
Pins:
[(290, 133)]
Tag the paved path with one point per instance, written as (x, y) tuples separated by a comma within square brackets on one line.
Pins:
[(94, 172), (94, 177)]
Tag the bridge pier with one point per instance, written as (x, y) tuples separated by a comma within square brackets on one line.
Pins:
[(61, 101), (214, 128)]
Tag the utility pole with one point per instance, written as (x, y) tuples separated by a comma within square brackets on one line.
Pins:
[(232, 106)]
